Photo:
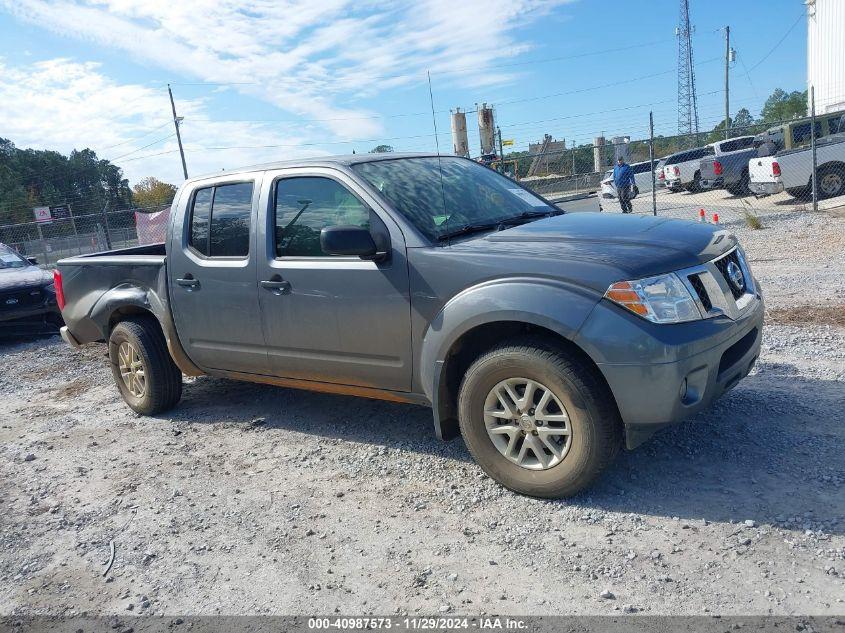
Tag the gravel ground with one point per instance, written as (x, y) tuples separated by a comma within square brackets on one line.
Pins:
[(254, 499)]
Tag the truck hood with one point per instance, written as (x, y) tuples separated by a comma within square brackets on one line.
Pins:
[(13, 278), (596, 249)]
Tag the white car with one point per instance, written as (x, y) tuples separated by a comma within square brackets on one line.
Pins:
[(642, 179), (793, 170), (681, 170)]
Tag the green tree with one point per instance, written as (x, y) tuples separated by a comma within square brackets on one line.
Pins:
[(30, 178), (151, 194), (782, 106), (381, 149)]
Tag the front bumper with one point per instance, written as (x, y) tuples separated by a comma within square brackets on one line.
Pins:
[(30, 320), (670, 372), (765, 188)]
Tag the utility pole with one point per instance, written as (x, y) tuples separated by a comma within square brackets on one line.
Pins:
[(727, 84), (176, 121), (813, 147)]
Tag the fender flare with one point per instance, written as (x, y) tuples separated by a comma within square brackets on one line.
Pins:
[(554, 305), (128, 295)]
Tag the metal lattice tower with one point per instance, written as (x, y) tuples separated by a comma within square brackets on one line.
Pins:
[(687, 102)]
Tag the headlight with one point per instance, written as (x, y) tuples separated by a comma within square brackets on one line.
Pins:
[(661, 299)]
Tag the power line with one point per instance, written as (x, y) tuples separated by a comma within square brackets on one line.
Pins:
[(780, 41)]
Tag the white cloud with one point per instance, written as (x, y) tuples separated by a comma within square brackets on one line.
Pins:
[(312, 58), (64, 105)]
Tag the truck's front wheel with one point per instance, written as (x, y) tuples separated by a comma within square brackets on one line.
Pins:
[(146, 376), (538, 420)]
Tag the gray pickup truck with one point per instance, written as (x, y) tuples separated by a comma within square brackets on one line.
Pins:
[(545, 339), (729, 171)]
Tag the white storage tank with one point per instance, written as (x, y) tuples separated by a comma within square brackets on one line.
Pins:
[(486, 130), (460, 142)]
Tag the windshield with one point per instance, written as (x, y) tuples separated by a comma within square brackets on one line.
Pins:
[(474, 195), (10, 259)]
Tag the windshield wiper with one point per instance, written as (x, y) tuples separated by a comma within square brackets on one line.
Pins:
[(531, 215), (470, 228)]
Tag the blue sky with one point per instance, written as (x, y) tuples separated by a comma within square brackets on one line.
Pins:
[(299, 77)]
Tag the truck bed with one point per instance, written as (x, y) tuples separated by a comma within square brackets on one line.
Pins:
[(97, 284), (147, 250)]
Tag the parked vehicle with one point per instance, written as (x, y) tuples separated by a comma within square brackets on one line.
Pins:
[(642, 178), (729, 171), (682, 170), (543, 338), (793, 170), (659, 174), (27, 296), (796, 134)]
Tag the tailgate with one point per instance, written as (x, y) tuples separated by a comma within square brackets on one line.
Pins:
[(761, 170), (707, 168)]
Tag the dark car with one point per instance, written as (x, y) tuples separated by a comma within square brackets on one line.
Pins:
[(27, 296)]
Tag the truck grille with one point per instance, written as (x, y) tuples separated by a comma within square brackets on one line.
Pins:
[(701, 291), (21, 298), (723, 264), (723, 286)]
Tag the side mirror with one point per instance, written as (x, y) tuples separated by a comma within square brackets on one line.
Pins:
[(348, 240), (32, 260)]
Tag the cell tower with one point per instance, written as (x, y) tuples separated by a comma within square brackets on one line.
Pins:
[(687, 102)]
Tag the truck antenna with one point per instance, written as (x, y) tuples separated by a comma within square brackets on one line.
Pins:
[(439, 162)]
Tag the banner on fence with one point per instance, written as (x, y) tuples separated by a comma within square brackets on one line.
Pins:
[(152, 227)]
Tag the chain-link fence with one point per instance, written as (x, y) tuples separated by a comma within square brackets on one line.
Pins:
[(52, 240)]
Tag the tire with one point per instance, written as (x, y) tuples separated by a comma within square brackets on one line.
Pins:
[(800, 193), (695, 185), (593, 420), (159, 387), (831, 181), (741, 188)]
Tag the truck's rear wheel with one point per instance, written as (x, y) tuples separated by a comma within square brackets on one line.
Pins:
[(146, 376), (831, 181), (538, 420)]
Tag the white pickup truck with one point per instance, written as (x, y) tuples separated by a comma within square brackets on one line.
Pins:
[(793, 170), (682, 170)]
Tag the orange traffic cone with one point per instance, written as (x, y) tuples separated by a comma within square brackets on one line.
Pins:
[(701, 216), (715, 218)]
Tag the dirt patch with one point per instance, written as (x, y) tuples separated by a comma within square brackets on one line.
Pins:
[(72, 389), (820, 315)]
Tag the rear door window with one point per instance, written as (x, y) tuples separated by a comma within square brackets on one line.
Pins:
[(736, 144), (642, 168), (220, 220), (801, 133)]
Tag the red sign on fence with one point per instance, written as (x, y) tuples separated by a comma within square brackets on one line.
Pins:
[(152, 227)]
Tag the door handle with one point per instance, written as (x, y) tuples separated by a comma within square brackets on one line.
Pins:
[(276, 285), (188, 282)]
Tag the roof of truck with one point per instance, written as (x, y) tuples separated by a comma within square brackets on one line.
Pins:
[(319, 161)]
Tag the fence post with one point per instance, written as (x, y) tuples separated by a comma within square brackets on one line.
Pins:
[(813, 146), (106, 226), (651, 160)]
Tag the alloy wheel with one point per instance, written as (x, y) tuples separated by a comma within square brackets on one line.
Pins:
[(132, 369), (527, 423)]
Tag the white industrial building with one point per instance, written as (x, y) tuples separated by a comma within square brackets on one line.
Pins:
[(826, 53)]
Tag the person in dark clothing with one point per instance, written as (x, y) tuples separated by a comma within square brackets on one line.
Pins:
[(623, 180)]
